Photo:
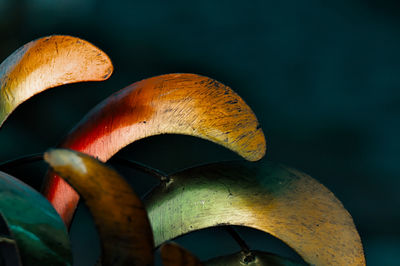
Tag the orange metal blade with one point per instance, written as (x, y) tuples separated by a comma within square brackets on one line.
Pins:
[(175, 103), (46, 63), (120, 217)]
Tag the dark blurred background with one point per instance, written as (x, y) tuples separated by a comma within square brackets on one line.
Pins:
[(322, 77)]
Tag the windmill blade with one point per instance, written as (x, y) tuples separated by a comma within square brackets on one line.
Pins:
[(284, 202), (39, 232), (254, 258), (46, 63), (119, 215), (174, 255), (175, 103)]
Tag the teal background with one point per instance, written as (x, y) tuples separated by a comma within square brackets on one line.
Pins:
[(321, 76)]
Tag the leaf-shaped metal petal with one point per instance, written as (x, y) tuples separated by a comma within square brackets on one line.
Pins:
[(119, 215), (174, 103), (174, 255), (38, 230), (282, 201), (256, 258), (46, 63)]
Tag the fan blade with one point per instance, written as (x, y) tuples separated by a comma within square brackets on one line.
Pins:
[(175, 103), (284, 202), (119, 215), (38, 230), (46, 63)]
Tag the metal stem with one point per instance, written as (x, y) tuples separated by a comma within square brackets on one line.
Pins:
[(21, 161), (237, 238), (140, 167), (39, 157)]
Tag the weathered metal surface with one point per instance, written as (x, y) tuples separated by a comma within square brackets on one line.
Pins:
[(46, 63), (282, 201), (174, 255), (38, 230), (254, 258), (175, 103), (119, 215)]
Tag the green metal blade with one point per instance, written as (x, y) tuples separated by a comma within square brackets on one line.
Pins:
[(38, 230), (284, 202)]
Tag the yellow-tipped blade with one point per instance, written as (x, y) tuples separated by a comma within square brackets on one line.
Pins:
[(46, 63), (284, 202), (120, 217)]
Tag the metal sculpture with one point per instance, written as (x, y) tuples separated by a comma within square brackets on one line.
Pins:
[(270, 197)]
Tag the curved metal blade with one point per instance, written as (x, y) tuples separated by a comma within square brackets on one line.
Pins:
[(174, 103), (254, 258), (120, 217), (174, 255), (46, 63), (284, 202), (38, 230)]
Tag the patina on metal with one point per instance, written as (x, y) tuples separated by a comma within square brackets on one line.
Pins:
[(276, 199), (175, 103), (120, 217), (46, 63), (39, 232)]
